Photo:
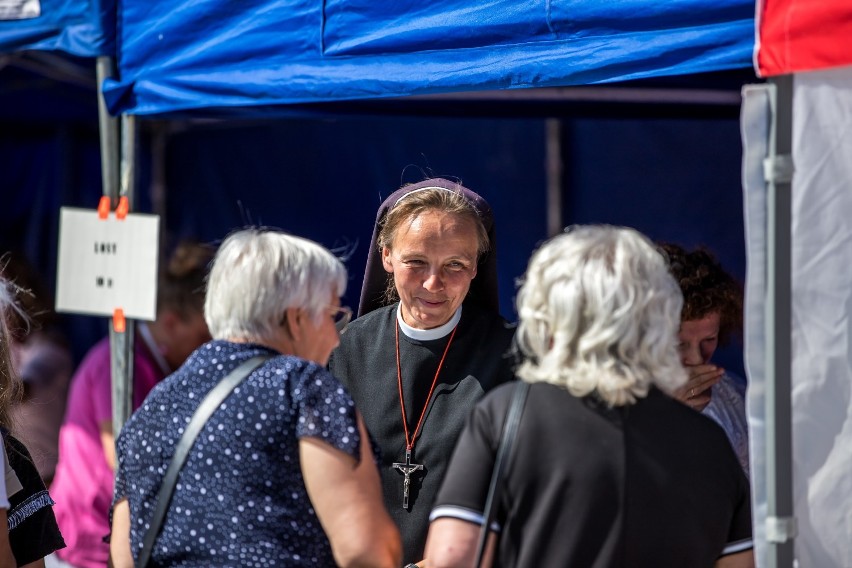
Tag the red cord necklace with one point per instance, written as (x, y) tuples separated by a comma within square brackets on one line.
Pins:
[(408, 468)]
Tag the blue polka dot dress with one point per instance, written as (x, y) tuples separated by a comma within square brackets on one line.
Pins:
[(240, 499)]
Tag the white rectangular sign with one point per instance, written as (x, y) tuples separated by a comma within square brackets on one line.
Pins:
[(19, 9), (105, 264)]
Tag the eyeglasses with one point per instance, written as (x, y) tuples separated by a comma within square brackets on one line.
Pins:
[(341, 315)]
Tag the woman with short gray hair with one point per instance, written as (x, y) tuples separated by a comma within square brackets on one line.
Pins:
[(607, 470), (282, 472)]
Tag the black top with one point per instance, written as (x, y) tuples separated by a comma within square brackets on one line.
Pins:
[(652, 484), (240, 499), (365, 362), (33, 532)]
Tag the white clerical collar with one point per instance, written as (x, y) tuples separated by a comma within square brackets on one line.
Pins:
[(153, 348), (428, 334)]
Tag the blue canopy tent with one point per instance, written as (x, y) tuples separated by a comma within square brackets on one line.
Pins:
[(34, 37), (204, 58), (201, 59), (208, 56), (299, 58), (80, 28)]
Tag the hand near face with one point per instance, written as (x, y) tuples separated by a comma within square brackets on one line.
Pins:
[(696, 391), (698, 341)]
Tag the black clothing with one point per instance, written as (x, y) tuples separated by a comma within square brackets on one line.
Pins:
[(483, 288), (365, 362), (651, 484), (33, 532)]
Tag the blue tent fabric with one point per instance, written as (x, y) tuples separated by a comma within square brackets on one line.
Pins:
[(197, 55), (85, 28)]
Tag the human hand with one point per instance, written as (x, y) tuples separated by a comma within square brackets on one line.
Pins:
[(696, 391)]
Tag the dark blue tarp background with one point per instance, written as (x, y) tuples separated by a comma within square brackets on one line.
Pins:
[(325, 179), (674, 178)]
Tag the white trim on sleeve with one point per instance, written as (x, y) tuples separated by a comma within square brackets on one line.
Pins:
[(737, 546), (463, 514)]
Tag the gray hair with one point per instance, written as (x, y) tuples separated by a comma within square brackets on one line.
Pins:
[(259, 273), (599, 313)]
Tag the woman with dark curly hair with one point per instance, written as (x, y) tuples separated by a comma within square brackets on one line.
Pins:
[(712, 314)]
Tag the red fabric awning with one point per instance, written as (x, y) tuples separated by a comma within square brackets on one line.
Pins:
[(803, 35)]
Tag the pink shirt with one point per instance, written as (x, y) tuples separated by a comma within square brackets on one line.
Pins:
[(83, 484)]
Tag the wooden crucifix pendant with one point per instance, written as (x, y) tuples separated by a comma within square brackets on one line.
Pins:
[(407, 469)]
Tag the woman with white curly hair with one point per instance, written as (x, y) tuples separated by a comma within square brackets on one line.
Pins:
[(607, 469)]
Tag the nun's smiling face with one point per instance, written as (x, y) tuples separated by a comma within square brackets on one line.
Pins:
[(433, 260)]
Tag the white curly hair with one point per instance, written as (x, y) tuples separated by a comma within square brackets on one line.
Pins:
[(599, 313)]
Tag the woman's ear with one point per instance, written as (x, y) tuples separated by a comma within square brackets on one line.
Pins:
[(293, 323), (386, 260)]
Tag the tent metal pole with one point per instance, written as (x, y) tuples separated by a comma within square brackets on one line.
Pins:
[(108, 127), (120, 343), (780, 522), (122, 366), (128, 159), (553, 145)]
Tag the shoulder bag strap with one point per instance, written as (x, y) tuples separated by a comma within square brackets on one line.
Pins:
[(208, 406), (510, 429)]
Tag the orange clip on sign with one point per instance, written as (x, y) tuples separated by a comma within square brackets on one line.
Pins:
[(119, 324), (103, 207), (122, 209)]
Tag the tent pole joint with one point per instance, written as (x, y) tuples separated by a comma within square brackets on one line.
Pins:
[(778, 169), (781, 529)]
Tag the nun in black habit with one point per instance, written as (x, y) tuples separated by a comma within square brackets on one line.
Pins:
[(428, 343)]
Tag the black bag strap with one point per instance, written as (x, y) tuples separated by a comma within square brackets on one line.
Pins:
[(205, 410), (504, 452)]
